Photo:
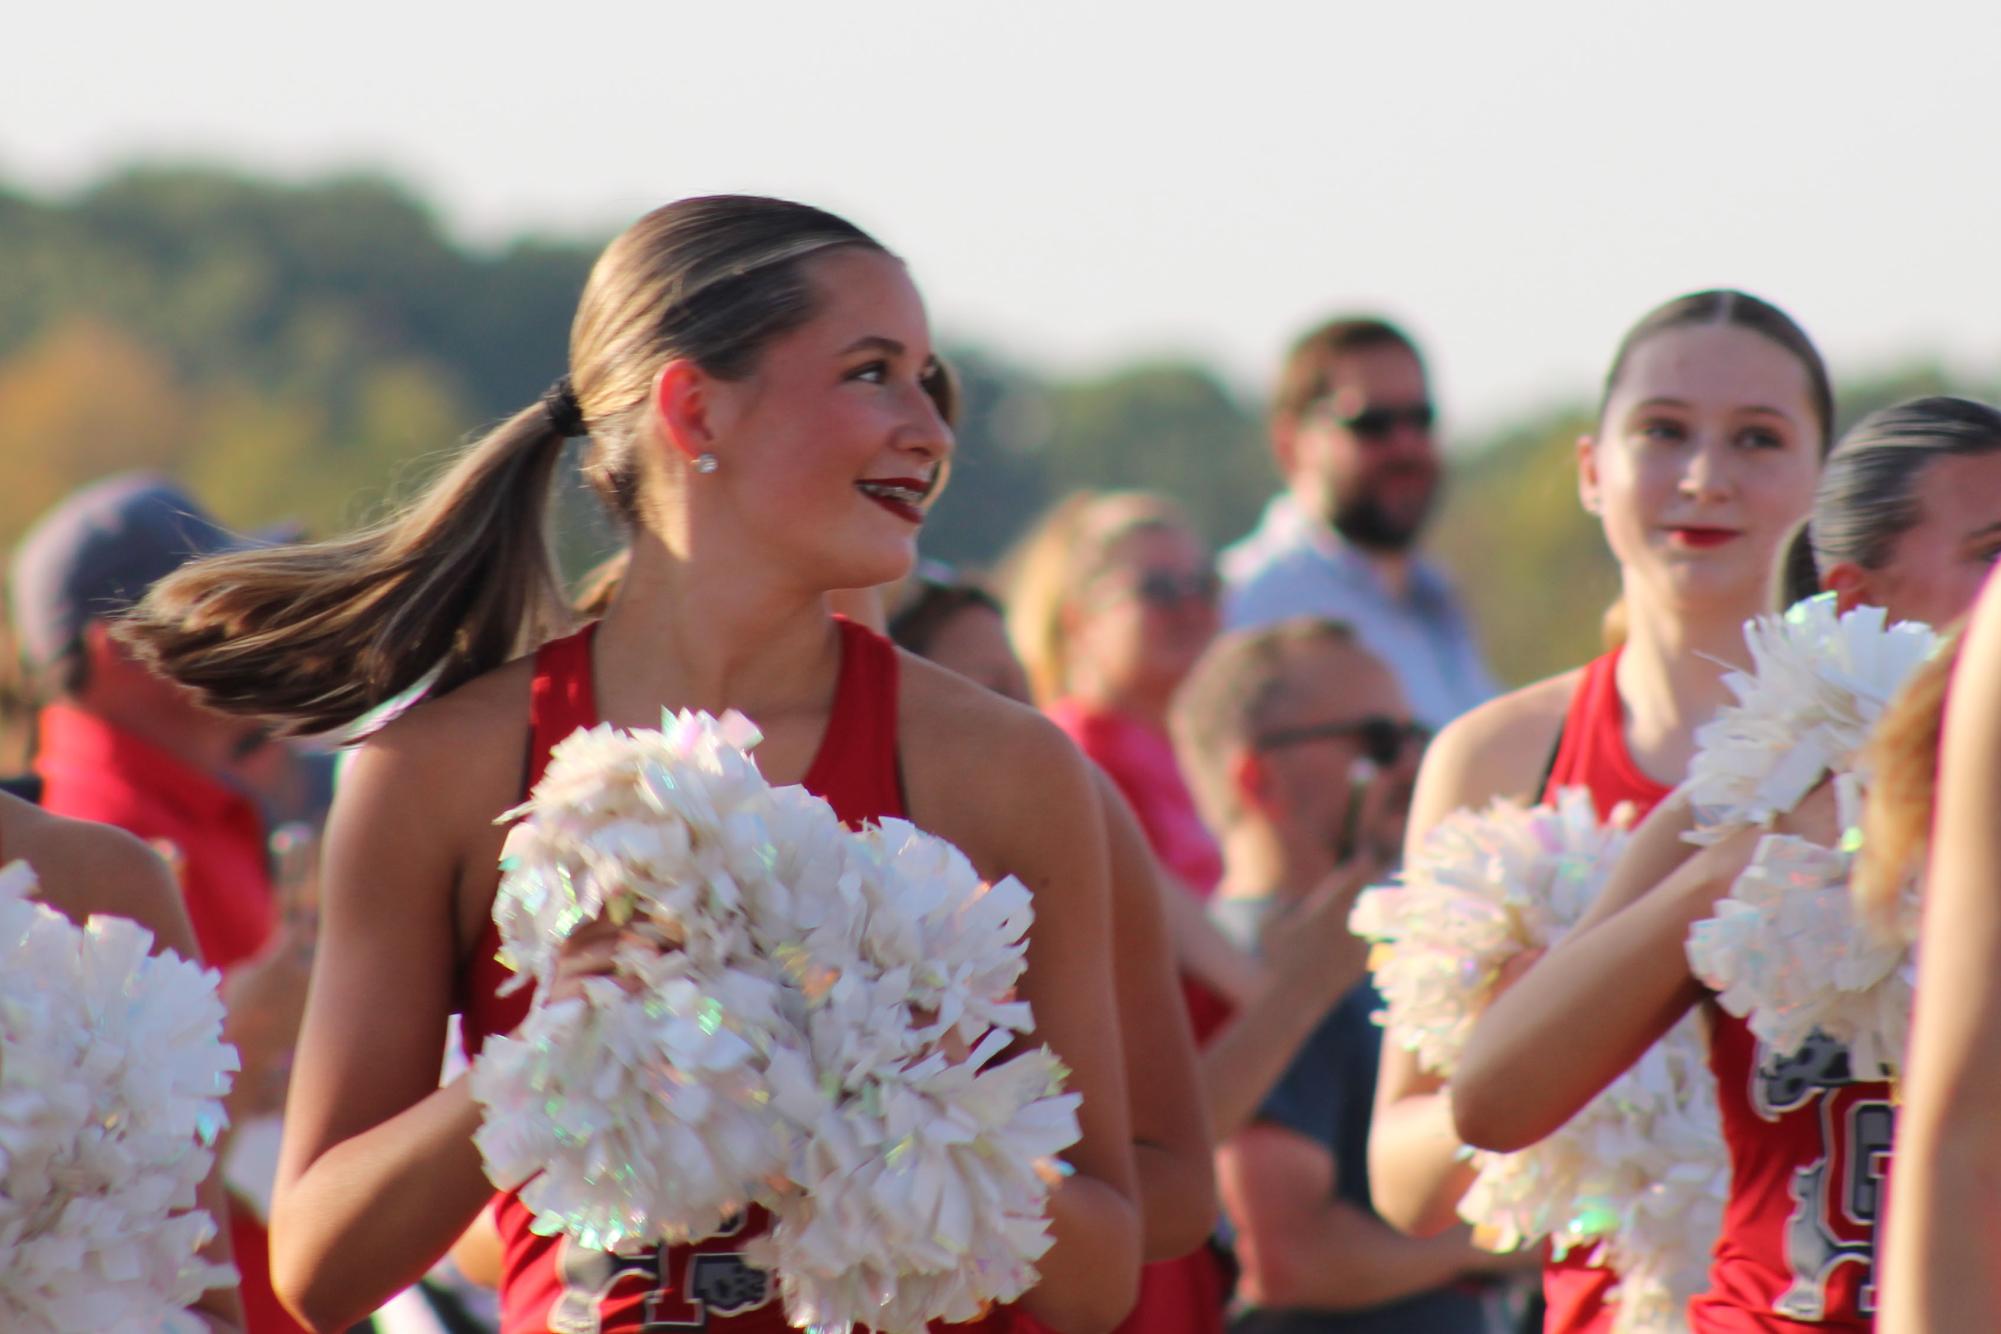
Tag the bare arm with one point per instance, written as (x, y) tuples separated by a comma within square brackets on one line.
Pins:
[(1614, 987), (378, 1175), (1204, 951), (1171, 1138), (965, 753), (1311, 961), (1301, 1247), (1945, 1213), (1417, 1165)]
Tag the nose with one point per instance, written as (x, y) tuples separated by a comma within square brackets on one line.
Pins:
[(1707, 476), (925, 432)]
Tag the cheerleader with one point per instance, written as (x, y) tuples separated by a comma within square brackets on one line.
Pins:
[(1906, 517), (1715, 415), (756, 378)]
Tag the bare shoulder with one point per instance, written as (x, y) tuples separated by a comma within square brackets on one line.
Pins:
[(461, 752), (84, 868), (1496, 750), (980, 767)]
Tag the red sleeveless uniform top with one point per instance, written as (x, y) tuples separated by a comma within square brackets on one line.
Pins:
[(550, 1285), (1809, 1159), (1592, 754)]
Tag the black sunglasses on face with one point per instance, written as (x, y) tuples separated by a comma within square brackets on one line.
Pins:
[(1380, 423), (1383, 739), (1167, 590)]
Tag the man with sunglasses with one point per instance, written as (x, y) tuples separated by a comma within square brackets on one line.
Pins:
[(1352, 432), (1302, 753)]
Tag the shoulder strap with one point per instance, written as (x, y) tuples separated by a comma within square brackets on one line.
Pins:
[(856, 768), (1542, 787), (561, 699)]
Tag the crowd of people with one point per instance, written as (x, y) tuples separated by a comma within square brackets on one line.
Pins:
[(1195, 760)]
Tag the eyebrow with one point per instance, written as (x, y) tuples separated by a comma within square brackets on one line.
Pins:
[(1758, 409), (875, 343)]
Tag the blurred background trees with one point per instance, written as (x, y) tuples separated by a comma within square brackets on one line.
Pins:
[(308, 352)]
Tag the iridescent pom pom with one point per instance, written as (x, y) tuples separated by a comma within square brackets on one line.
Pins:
[(112, 1075)]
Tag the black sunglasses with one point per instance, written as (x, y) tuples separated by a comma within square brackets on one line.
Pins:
[(1380, 423), (1383, 739), (1167, 590)]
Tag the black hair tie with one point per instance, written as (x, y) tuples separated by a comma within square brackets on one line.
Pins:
[(566, 415)]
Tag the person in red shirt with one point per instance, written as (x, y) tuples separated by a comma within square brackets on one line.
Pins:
[(122, 746)]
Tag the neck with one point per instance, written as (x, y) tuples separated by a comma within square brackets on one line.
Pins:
[(1147, 706), (675, 636), (1259, 861), (1670, 678), (197, 738), (1392, 568)]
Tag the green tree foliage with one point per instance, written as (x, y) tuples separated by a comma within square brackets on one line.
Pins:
[(312, 351)]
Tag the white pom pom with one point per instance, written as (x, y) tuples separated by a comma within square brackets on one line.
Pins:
[(1817, 685), (1485, 887), (1639, 1176), (644, 1105), (789, 1044), (1785, 951), (112, 1074)]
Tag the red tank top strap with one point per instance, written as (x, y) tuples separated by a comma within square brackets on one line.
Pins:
[(856, 768), (1593, 753), (561, 699)]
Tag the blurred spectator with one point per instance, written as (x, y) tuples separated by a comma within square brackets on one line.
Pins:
[(1300, 747), (1352, 430), (1110, 600), (957, 624), (117, 744)]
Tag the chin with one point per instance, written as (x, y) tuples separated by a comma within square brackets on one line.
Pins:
[(858, 569)]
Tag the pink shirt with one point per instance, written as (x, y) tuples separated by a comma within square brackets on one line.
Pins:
[(1140, 759)]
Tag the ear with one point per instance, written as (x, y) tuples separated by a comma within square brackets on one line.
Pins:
[(1285, 443), (1588, 493), (685, 406), (100, 645), (1850, 584), (1251, 781)]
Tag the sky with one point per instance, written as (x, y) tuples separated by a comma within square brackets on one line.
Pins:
[(1080, 184)]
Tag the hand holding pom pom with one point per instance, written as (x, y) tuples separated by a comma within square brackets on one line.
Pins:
[(1639, 1176), (741, 1001), (1818, 684)]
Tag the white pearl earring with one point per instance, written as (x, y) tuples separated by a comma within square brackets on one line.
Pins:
[(706, 462)]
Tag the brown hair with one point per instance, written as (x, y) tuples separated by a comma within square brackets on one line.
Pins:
[(1229, 698), (1065, 550), (312, 637), (1304, 379), (1901, 760), (1723, 306), (1867, 496)]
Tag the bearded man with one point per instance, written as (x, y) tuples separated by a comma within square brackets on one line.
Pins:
[(1353, 433)]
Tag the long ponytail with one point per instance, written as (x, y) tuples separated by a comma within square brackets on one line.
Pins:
[(311, 637)]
